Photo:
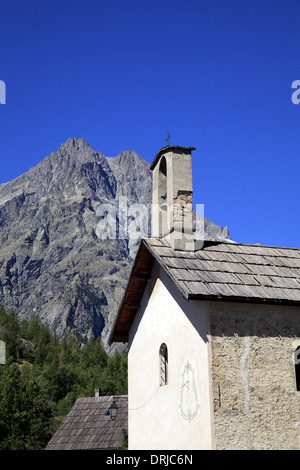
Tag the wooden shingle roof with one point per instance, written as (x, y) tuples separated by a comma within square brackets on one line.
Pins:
[(88, 426), (219, 271)]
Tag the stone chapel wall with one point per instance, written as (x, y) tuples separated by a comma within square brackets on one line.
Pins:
[(256, 404)]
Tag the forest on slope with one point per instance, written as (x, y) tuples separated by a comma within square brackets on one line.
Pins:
[(43, 376)]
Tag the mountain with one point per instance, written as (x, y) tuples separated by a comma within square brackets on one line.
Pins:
[(55, 257)]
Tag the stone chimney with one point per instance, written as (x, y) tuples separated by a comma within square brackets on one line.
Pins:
[(172, 197)]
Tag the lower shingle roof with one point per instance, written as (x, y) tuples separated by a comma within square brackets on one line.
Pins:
[(89, 426)]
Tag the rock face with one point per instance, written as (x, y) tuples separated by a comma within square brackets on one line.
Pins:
[(58, 257)]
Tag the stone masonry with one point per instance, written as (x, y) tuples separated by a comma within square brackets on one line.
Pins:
[(183, 211), (256, 404)]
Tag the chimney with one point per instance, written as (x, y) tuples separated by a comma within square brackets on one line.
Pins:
[(172, 197), (96, 392)]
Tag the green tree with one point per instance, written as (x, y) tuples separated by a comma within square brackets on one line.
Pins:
[(124, 442), (58, 381), (36, 394), (93, 354), (113, 379), (43, 347), (25, 416), (9, 321)]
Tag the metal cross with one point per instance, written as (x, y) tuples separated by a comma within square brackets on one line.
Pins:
[(168, 137)]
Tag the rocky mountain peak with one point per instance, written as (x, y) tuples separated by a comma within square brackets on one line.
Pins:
[(77, 151), (52, 260)]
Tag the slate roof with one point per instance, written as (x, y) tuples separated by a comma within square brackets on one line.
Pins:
[(87, 426), (219, 271)]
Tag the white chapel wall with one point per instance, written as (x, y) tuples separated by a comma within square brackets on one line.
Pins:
[(177, 415)]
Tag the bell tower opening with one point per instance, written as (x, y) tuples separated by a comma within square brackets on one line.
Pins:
[(162, 197)]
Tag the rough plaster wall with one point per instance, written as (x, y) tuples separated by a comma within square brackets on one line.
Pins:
[(255, 399)]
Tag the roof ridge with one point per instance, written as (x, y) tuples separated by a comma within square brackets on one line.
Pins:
[(257, 245), (230, 242)]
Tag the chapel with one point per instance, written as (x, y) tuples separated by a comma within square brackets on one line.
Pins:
[(213, 331)]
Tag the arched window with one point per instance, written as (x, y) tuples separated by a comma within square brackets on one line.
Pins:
[(162, 197), (163, 166), (297, 367), (163, 360)]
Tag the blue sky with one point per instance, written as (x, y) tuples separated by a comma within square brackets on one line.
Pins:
[(216, 74)]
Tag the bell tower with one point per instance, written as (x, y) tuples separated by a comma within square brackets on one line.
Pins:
[(172, 197)]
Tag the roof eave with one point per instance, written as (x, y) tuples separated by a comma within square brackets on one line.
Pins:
[(128, 310), (240, 299)]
